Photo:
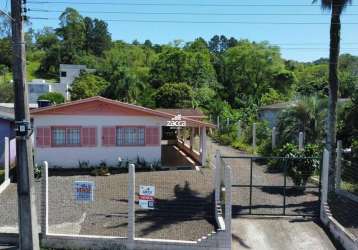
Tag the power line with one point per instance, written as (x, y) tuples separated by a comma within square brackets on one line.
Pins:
[(204, 22), (172, 4), (191, 13)]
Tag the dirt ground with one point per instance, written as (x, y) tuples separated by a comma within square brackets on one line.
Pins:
[(183, 206)]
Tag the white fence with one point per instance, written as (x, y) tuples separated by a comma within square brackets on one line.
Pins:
[(218, 239)]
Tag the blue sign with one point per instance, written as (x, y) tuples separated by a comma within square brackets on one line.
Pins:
[(84, 191)]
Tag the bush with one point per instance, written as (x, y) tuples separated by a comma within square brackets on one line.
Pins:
[(54, 97), (301, 165)]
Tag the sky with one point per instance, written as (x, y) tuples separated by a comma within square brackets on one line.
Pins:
[(194, 18)]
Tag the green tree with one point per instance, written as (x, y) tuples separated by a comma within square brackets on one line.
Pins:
[(87, 85), (73, 34), (336, 7), (54, 97), (250, 70), (174, 95), (98, 39)]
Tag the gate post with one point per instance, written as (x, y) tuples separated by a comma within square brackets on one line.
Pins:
[(273, 136), (228, 204), (6, 158), (239, 129), (217, 177), (131, 208), (44, 203), (324, 182), (339, 165)]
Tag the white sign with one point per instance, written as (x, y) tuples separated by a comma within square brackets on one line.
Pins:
[(84, 191), (146, 197), (176, 122)]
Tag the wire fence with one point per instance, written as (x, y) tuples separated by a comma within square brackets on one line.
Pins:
[(349, 175), (182, 208), (75, 210), (275, 185)]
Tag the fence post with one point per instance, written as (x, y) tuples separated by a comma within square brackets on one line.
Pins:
[(6, 158), (339, 165), (228, 201), (131, 204), (238, 129), (324, 178), (217, 177), (254, 137), (218, 122), (300, 141), (44, 203), (273, 137)]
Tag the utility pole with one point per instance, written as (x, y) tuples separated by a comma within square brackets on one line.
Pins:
[(28, 224)]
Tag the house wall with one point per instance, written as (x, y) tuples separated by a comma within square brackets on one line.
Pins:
[(271, 116), (6, 130), (69, 157)]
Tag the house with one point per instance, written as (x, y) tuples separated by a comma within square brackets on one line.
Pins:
[(97, 129), (271, 112), (68, 73), (7, 130)]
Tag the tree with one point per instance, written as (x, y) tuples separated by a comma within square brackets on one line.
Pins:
[(98, 39), (250, 69), (87, 85), (174, 95), (54, 97), (336, 7), (73, 33)]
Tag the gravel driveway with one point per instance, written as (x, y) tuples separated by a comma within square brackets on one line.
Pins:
[(265, 200), (183, 206)]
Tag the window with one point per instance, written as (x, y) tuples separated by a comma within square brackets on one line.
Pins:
[(66, 136), (63, 73), (130, 136)]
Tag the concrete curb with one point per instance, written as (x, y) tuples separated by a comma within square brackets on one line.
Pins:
[(4, 185)]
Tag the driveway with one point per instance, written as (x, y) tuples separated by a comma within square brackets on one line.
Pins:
[(263, 232)]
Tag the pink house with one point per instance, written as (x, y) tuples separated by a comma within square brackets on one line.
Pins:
[(99, 129)]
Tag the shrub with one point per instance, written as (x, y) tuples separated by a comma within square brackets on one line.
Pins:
[(54, 97), (300, 166)]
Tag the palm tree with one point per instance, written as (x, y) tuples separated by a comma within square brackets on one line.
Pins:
[(336, 7)]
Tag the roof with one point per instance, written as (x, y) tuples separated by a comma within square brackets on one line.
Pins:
[(97, 104), (12, 105), (7, 115), (278, 106), (188, 113)]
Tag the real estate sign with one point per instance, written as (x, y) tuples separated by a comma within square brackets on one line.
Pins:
[(146, 197), (84, 191)]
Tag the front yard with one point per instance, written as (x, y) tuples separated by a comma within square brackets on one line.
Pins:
[(183, 206)]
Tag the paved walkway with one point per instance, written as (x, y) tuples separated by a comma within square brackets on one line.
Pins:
[(269, 233)]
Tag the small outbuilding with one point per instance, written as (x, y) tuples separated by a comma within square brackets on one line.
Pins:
[(97, 129)]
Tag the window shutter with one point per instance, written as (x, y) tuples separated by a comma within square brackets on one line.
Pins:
[(89, 136), (152, 136), (43, 137), (109, 136)]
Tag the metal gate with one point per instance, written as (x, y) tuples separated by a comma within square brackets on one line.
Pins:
[(283, 186)]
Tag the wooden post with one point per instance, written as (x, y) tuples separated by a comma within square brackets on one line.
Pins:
[(254, 137), (203, 145), (28, 224), (192, 136), (218, 122), (273, 138), (217, 177), (339, 164), (300, 141)]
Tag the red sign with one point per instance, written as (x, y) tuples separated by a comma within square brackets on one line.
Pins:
[(146, 197)]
